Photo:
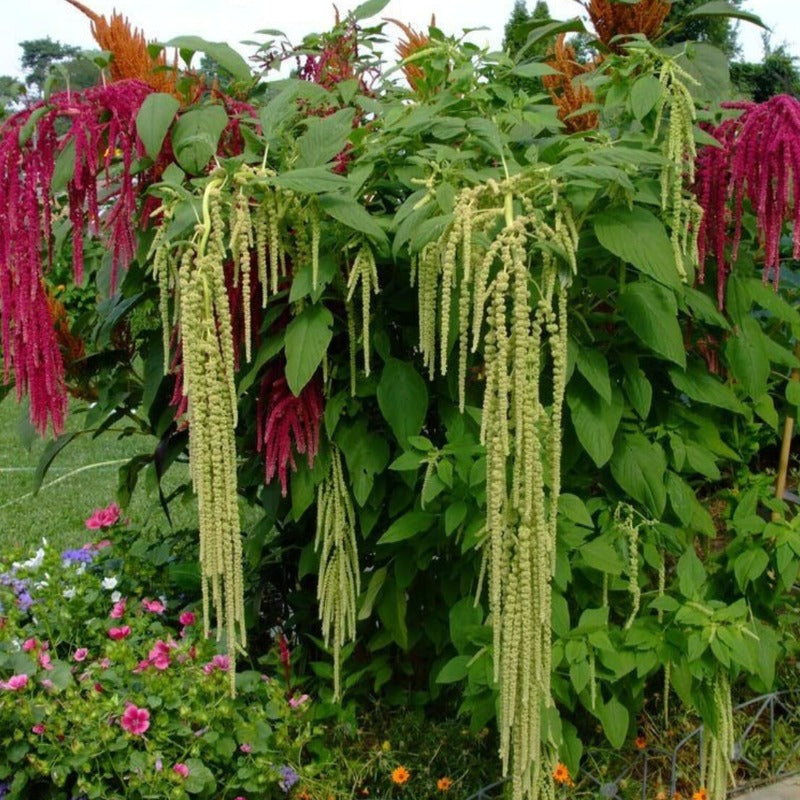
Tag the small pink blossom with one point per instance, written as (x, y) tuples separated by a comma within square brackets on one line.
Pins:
[(38, 729), (154, 606), (221, 663), (44, 660), (159, 765), (48, 684), (80, 654), (246, 748), (159, 655), (103, 517), (187, 618), (15, 683), (296, 702), (117, 634), (182, 770), (118, 611), (135, 720), (105, 663), (29, 644), (103, 543), (142, 666)]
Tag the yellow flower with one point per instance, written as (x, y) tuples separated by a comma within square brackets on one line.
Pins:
[(400, 775), (444, 784), (386, 746)]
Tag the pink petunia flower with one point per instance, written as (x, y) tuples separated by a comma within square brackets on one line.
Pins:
[(105, 663), (48, 684), (118, 611), (103, 517), (142, 666), (296, 702), (80, 654), (135, 720), (39, 728), (117, 634), (29, 644), (159, 655), (154, 606), (187, 618), (15, 683), (182, 770), (44, 660), (246, 748), (103, 543), (221, 663)]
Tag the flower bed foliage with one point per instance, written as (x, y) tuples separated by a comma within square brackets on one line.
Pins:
[(439, 336)]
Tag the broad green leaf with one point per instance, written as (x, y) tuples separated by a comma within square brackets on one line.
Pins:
[(366, 453), (594, 420), (324, 138), (773, 302), (708, 65), (376, 582), (750, 565), (369, 9), (64, 168), (689, 510), (651, 311), (615, 720), (546, 28), (407, 526), (454, 670), (637, 387), (593, 366), (704, 308), (195, 137), (454, 515), (53, 448), (573, 508), (464, 617), (600, 554), (533, 69), (153, 120), (222, 53), (697, 383), (747, 357), (309, 180), (691, 574), (402, 399), (307, 338), (350, 213), (638, 466), (392, 613), (720, 8), (645, 93), (638, 237)]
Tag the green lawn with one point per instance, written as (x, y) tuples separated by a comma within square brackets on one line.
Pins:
[(82, 477)]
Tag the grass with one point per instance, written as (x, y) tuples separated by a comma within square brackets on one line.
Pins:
[(82, 477)]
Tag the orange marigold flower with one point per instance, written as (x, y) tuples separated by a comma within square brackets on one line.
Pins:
[(400, 775), (444, 784), (640, 742), (700, 794), (561, 774)]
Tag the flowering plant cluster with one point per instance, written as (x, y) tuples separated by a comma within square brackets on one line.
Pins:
[(104, 695)]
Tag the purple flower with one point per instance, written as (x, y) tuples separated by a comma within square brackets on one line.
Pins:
[(288, 778), (24, 601), (77, 556)]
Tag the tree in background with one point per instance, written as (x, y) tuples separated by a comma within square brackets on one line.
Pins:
[(776, 74), (718, 31), (11, 90), (42, 58), (518, 27)]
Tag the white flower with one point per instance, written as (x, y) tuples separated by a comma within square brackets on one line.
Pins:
[(110, 583), (81, 568), (116, 597), (163, 600), (31, 563), (69, 593)]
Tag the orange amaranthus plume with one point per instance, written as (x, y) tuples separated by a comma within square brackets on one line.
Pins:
[(568, 91), (414, 41), (129, 48), (612, 19)]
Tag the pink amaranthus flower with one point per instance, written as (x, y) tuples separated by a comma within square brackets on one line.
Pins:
[(135, 720)]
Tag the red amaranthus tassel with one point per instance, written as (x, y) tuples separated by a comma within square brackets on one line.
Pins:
[(758, 159), (282, 418), (101, 129)]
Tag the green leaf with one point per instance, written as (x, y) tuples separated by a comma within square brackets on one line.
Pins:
[(407, 526), (719, 8), (376, 581), (195, 137), (691, 574), (645, 93), (54, 447), (153, 120), (402, 399), (464, 617), (392, 613), (533, 69), (324, 138), (600, 554), (747, 356), (638, 466), (454, 670), (704, 308), (615, 720), (221, 52), (369, 9), (306, 342), (750, 565), (595, 421), (687, 507), (638, 237), (310, 180), (350, 213), (637, 387), (454, 515), (366, 453), (593, 366), (651, 311), (64, 168), (573, 508), (697, 383)]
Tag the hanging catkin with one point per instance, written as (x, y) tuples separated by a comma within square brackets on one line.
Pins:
[(206, 336), (339, 576), (718, 747), (363, 271), (511, 293)]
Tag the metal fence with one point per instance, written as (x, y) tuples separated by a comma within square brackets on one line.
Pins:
[(766, 749)]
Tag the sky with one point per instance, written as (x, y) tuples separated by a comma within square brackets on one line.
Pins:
[(234, 21)]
